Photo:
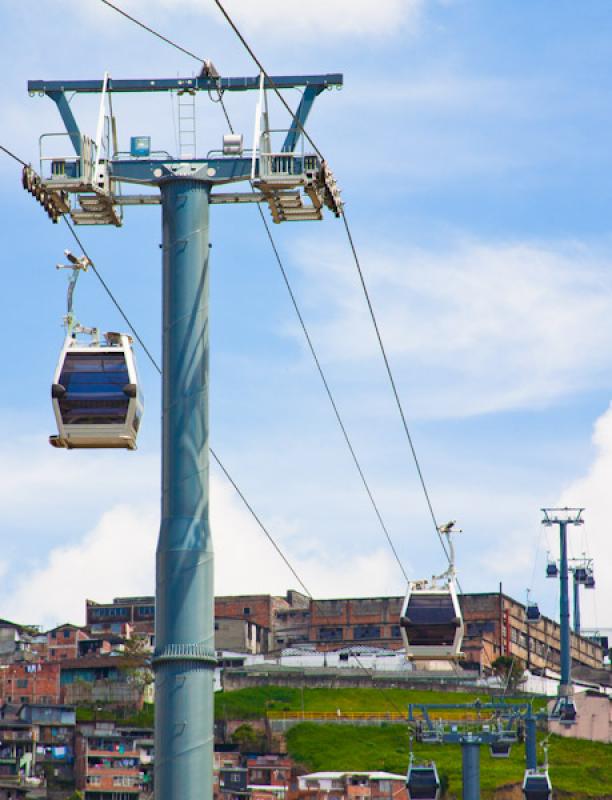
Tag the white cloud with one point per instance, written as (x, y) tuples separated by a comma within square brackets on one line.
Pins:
[(329, 19), (471, 328), (117, 505), (592, 491), (112, 559)]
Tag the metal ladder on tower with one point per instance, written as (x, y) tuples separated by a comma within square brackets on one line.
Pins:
[(186, 123)]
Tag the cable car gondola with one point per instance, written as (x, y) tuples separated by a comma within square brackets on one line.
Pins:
[(533, 612), (536, 785), (552, 571), (580, 574), (95, 393), (431, 624), (500, 748), (589, 581), (423, 782)]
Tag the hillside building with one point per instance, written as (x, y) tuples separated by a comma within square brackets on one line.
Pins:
[(495, 625)]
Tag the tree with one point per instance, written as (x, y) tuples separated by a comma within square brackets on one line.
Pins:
[(510, 670), (248, 739), (136, 662)]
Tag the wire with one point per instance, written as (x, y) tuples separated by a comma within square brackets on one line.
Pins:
[(293, 299), (112, 296), (361, 277), (329, 392), (12, 155), (392, 382), (151, 30), (158, 368), (273, 86), (151, 358)]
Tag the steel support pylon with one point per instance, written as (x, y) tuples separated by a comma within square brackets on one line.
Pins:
[(564, 613), (184, 615), (470, 758)]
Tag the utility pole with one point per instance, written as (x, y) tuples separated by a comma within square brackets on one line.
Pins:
[(564, 708), (86, 184)]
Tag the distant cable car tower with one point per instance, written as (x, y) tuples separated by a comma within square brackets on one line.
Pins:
[(431, 623)]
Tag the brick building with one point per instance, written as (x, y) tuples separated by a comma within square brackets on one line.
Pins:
[(114, 763), (63, 642), (37, 740), (30, 683), (495, 625), (138, 613), (352, 786)]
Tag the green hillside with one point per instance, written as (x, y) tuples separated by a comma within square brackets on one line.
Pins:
[(255, 702), (578, 767)]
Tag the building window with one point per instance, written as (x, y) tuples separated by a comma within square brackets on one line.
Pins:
[(330, 634), (395, 632), (52, 651), (54, 634), (246, 611), (366, 632), (22, 683), (66, 634)]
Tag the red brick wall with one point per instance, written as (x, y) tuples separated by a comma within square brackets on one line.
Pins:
[(30, 683)]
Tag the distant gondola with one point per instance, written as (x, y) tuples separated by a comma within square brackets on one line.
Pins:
[(533, 612), (96, 395), (536, 785), (423, 782), (500, 749)]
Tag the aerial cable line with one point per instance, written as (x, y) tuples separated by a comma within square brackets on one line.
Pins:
[(151, 358), (392, 382), (284, 273), (151, 30), (212, 452), (329, 393), (298, 124), (12, 155)]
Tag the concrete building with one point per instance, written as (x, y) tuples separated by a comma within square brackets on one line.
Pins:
[(241, 636), (136, 612), (16, 642), (101, 679), (114, 763), (36, 745), (593, 721), (271, 777), (352, 786)]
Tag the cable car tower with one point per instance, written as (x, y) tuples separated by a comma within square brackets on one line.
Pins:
[(431, 623), (564, 709), (83, 176)]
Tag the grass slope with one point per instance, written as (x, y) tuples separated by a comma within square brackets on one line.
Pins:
[(581, 768), (254, 702)]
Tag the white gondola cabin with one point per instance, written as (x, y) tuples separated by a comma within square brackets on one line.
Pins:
[(96, 394), (431, 623)]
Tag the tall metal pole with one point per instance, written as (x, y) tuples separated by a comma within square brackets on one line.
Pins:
[(531, 751), (470, 757), (184, 623), (564, 612), (576, 605)]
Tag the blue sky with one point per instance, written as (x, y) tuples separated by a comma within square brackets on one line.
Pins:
[(471, 142)]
